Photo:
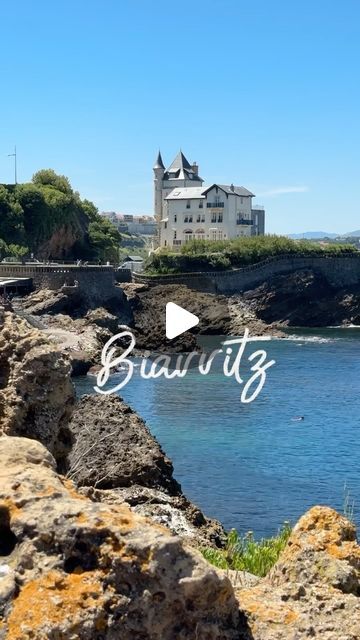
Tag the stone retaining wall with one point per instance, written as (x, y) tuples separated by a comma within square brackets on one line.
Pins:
[(95, 282), (338, 270)]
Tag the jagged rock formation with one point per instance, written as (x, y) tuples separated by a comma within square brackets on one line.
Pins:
[(99, 441), (72, 568), (314, 589), (81, 565), (219, 315), (36, 395), (133, 468), (304, 299), (76, 569)]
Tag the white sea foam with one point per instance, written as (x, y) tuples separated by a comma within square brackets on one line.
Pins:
[(318, 339)]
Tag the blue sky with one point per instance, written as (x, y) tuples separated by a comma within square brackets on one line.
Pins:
[(261, 93)]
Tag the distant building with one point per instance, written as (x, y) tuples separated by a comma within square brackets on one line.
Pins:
[(128, 223), (186, 209)]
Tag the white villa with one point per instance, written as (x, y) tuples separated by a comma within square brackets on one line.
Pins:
[(186, 209)]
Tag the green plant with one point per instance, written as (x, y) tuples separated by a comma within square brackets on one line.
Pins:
[(244, 553), (49, 218), (209, 255)]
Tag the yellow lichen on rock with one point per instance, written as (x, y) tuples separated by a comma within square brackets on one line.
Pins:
[(85, 570)]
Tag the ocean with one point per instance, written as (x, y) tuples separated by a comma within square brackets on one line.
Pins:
[(254, 466)]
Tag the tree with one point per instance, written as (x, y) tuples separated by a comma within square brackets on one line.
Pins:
[(11, 217), (52, 179), (105, 239), (50, 218)]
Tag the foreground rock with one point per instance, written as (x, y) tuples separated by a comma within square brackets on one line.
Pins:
[(76, 569), (117, 458), (36, 395), (314, 589), (79, 570)]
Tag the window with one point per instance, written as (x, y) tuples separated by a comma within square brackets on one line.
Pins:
[(188, 235), (165, 225), (220, 217), (200, 234), (188, 218), (201, 204), (165, 243), (200, 217), (175, 218), (213, 217), (188, 204), (216, 234)]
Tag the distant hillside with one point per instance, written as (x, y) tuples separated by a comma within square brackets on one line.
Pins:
[(353, 234), (312, 235), (317, 235)]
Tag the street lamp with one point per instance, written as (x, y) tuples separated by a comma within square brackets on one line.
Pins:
[(13, 155)]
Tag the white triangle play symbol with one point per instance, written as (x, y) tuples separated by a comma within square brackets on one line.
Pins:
[(178, 320)]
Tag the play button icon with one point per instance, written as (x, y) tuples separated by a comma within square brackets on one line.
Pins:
[(178, 320)]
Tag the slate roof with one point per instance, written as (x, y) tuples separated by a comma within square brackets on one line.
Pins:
[(159, 162), (185, 193), (232, 190), (181, 169)]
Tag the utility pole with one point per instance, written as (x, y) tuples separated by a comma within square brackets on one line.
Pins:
[(13, 155)]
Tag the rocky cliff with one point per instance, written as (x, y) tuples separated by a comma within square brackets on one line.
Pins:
[(304, 299), (75, 569), (78, 561), (36, 395), (98, 441)]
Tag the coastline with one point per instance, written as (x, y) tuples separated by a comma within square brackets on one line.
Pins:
[(90, 551)]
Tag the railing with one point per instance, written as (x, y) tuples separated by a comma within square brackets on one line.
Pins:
[(215, 205), (244, 221), (256, 266)]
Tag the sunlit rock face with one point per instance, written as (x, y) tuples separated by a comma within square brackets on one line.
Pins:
[(36, 394), (314, 589), (72, 568)]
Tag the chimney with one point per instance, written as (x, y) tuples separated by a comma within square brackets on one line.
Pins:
[(195, 168), (232, 187)]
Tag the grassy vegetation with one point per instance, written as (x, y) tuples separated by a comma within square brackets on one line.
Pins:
[(246, 554), (205, 255)]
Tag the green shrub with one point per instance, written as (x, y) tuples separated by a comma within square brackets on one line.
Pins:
[(208, 255), (244, 553)]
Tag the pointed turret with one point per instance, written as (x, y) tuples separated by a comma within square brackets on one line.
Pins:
[(181, 169), (159, 162)]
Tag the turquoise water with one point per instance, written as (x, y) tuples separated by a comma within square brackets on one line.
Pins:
[(252, 466)]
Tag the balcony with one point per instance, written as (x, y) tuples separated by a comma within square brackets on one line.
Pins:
[(215, 205), (244, 221)]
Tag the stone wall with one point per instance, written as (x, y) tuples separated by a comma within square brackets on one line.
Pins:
[(95, 282), (338, 270)]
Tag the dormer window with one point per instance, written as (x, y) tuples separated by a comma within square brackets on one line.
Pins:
[(188, 204)]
